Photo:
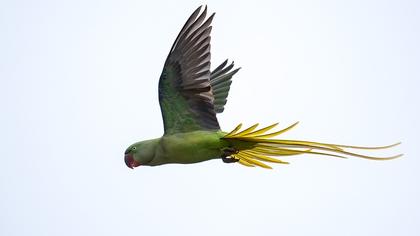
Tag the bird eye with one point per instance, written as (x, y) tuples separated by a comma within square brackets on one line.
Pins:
[(134, 148)]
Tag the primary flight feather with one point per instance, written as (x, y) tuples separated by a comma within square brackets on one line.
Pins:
[(190, 95)]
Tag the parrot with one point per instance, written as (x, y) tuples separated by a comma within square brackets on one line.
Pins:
[(190, 96)]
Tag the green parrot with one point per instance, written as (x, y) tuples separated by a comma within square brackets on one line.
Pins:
[(190, 96)]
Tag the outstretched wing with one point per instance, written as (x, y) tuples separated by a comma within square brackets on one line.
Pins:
[(185, 94), (220, 81)]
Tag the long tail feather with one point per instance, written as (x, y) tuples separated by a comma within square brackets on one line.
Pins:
[(262, 148)]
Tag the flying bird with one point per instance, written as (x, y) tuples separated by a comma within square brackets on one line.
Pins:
[(190, 96)]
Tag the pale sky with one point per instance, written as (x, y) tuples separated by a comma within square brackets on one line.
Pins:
[(79, 84)]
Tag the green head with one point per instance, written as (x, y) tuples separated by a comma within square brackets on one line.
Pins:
[(140, 153)]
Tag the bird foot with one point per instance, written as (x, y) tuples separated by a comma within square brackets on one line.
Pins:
[(226, 155)]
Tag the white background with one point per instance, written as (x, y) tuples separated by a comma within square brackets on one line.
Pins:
[(79, 84)]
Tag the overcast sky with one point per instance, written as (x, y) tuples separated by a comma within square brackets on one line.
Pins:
[(79, 84)]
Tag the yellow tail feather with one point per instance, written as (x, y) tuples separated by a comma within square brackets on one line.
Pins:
[(264, 149)]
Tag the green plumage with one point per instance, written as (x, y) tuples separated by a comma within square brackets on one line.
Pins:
[(187, 148), (188, 101), (190, 96), (175, 107)]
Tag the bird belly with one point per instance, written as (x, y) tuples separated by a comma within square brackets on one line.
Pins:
[(187, 148)]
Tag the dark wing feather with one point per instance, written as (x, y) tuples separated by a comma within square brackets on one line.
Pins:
[(220, 81), (185, 93)]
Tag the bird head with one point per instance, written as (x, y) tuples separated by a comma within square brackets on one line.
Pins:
[(140, 153)]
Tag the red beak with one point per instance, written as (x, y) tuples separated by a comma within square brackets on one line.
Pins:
[(130, 162)]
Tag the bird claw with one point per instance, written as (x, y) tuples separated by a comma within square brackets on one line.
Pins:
[(229, 159), (226, 156)]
